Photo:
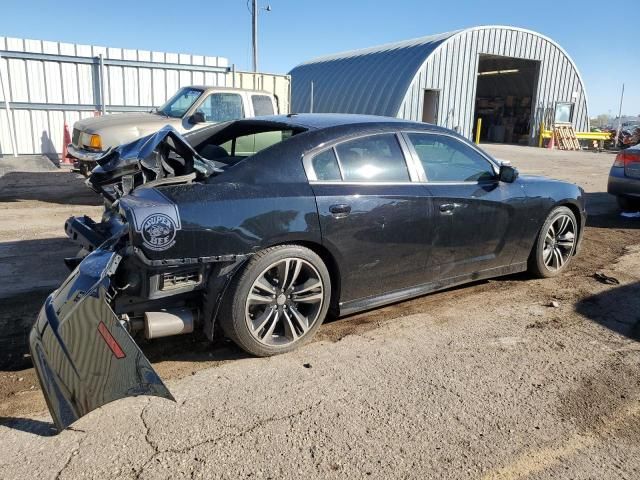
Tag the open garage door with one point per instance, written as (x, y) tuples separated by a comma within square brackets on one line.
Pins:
[(504, 97)]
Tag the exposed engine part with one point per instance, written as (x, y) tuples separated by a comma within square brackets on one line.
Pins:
[(175, 321)]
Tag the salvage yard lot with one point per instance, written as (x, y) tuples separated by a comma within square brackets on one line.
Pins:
[(504, 378)]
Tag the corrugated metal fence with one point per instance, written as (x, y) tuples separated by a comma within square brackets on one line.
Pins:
[(47, 84)]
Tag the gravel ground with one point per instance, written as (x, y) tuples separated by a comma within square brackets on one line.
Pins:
[(484, 381)]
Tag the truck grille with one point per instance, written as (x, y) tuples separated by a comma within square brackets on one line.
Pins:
[(182, 279), (75, 139)]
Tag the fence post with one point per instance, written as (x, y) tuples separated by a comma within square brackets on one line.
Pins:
[(10, 121), (103, 107)]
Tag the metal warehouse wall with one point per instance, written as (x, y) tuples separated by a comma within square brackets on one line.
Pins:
[(50, 83), (452, 68)]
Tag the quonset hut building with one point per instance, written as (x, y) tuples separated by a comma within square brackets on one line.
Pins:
[(514, 79)]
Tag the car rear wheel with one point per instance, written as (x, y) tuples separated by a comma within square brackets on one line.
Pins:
[(555, 245), (278, 301), (628, 204)]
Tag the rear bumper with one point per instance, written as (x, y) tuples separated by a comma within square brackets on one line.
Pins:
[(83, 356), (620, 184)]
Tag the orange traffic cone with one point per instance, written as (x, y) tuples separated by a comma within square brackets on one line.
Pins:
[(66, 140)]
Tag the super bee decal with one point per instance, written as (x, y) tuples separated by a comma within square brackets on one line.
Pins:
[(158, 232), (156, 219)]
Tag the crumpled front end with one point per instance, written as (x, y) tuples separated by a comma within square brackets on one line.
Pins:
[(83, 355)]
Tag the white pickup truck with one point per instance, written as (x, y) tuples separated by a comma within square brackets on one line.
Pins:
[(190, 108)]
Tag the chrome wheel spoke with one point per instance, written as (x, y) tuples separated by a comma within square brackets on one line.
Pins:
[(263, 284), (558, 256), (267, 335), (309, 297), (289, 329), (260, 322), (294, 273), (302, 321), (257, 298)]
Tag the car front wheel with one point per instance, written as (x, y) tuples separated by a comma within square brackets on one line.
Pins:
[(555, 245), (277, 301)]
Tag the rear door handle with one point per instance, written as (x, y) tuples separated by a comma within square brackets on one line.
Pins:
[(448, 207), (340, 210)]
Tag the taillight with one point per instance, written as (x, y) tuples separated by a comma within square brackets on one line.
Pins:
[(625, 158)]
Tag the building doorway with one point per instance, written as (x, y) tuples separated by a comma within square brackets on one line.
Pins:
[(430, 106), (504, 97)]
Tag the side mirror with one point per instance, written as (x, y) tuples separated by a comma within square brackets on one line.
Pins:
[(197, 117), (508, 174)]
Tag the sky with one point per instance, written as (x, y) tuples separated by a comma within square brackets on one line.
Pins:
[(298, 30)]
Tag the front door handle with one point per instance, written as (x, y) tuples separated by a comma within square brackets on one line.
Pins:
[(340, 210), (448, 207)]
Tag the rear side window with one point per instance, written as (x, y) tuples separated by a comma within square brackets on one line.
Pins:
[(325, 166), (377, 158), (222, 107), (446, 159), (262, 105)]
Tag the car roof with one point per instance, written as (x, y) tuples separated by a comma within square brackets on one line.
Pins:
[(317, 121)]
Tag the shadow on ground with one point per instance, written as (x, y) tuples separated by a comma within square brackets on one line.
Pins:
[(60, 186), (617, 309), (29, 425)]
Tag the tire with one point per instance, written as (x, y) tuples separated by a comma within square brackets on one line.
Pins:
[(276, 320), (552, 253), (628, 204), (84, 169)]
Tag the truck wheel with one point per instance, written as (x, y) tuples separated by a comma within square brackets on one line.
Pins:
[(277, 301), (555, 245)]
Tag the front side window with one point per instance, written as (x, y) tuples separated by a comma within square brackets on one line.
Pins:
[(377, 158), (262, 105), (446, 159), (182, 101), (222, 107)]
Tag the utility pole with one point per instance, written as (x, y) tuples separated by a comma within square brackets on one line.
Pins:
[(254, 30), (254, 26)]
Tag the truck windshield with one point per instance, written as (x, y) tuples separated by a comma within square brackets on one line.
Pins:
[(178, 105)]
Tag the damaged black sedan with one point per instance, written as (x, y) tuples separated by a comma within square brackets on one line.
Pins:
[(258, 229)]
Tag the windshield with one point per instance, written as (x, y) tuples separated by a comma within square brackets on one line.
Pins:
[(178, 105)]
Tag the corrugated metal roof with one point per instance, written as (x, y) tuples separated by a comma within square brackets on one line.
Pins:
[(392, 79), (350, 82)]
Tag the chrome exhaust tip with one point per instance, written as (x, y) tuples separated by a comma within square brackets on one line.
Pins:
[(168, 322)]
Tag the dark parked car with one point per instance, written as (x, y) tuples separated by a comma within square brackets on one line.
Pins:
[(624, 178), (334, 213)]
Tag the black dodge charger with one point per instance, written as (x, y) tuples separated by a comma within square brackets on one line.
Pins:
[(258, 229)]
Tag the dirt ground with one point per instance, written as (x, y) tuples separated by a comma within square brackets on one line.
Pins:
[(576, 362)]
